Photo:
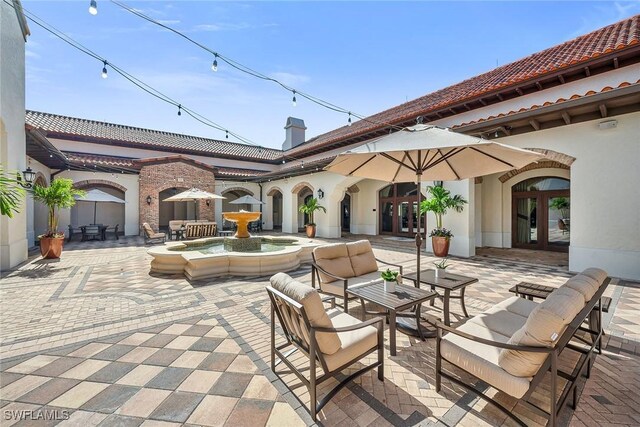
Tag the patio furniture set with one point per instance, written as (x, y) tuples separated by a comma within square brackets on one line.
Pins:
[(93, 231), (511, 346)]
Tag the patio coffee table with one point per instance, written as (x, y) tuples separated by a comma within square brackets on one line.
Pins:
[(450, 283), (403, 298)]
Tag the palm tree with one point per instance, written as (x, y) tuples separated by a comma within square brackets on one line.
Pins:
[(59, 195), (11, 195), (310, 207), (440, 202)]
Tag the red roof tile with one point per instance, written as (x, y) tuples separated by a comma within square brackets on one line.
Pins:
[(615, 37)]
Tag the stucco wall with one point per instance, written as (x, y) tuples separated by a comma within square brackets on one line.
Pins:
[(36, 212), (13, 232)]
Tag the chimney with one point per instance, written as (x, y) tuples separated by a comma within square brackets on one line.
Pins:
[(294, 133)]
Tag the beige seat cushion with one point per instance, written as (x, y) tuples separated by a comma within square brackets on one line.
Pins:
[(328, 342), (354, 343), (362, 259), (334, 259), (543, 327), (596, 274), (337, 288), (584, 285), (482, 360), (500, 320), (518, 305)]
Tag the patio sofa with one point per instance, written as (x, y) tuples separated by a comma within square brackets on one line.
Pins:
[(513, 345), (338, 266), (332, 339)]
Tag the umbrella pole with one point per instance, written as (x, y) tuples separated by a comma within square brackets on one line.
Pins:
[(95, 208), (418, 234), (196, 213)]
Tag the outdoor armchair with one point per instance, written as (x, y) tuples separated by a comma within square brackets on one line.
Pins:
[(331, 338), (151, 236), (338, 266)]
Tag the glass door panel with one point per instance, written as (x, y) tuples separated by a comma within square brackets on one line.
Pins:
[(403, 217), (414, 217), (386, 216), (526, 221), (559, 223)]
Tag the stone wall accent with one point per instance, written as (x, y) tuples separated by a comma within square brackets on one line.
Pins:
[(274, 190), (242, 189), (90, 183), (161, 174), (531, 166), (300, 186)]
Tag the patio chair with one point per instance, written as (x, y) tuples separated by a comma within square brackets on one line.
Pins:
[(334, 339), (114, 230), (73, 230), (91, 232), (151, 236)]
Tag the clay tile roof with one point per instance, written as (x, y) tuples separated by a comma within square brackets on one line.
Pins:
[(615, 37), (237, 172), (57, 125), (90, 160)]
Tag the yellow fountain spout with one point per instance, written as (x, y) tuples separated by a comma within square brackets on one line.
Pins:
[(242, 220)]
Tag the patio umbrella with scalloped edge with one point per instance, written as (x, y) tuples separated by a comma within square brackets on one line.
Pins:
[(193, 194), (98, 196)]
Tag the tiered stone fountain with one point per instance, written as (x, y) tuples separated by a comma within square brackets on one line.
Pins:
[(242, 241)]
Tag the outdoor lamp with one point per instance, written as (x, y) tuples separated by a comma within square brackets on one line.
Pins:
[(208, 202), (320, 193), (93, 7), (438, 183), (149, 200), (29, 176)]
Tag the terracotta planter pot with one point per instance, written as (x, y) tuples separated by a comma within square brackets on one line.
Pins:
[(311, 231), (440, 246), (51, 247)]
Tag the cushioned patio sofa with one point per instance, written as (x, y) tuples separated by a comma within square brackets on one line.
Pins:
[(514, 344)]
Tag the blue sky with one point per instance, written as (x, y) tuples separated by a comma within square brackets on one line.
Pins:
[(364, 56)]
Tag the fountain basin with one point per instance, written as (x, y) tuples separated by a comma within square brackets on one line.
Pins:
[(207, 258)]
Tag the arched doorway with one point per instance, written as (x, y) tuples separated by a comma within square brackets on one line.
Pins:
[(541, 214), (276, 209), (398, 210), (111, 214), (169, 211), (345, 213), (233, 194)]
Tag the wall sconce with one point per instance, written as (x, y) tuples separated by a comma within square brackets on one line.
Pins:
[(438, 183), (29, 175), (149, 200), (320, 193), (208, 202)]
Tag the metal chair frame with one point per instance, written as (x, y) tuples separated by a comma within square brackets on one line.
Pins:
[(295, 325)]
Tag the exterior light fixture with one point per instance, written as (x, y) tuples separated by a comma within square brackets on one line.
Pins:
[(29, 176), (294, 102), (179, 109), (438, 183), (93, 7), (214, 66), (208, 202), (320, 193), (349, 121), (104, 71), (149, 200)]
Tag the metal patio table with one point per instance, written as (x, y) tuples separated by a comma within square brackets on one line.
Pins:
[(450, 283), (404, 298)]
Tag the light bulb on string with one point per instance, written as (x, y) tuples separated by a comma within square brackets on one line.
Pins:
[(93, 7), (349, 121), (214, 66), (283, 161), (104, 70), (226, 134), (496, 134), (294, 101), (302, 165), (179, 109)]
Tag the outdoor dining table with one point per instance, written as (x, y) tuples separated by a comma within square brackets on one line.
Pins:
[(102, 231)]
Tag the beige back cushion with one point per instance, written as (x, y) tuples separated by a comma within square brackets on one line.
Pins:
[(584, 285), (147, 228), (335, 259), (596, 274), (544, 326), (328, 342), (362, 259)]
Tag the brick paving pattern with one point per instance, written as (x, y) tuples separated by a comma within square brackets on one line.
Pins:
[(96, 339)]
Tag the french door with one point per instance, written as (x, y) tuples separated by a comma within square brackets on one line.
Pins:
[(399, 210)]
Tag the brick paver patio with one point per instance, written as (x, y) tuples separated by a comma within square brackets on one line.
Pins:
[(95, 340)]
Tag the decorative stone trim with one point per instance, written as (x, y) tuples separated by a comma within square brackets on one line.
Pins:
[(41, 180), (478, 180), (99, 183), (555, 156), (273, 191), (353, 189), (244, 190), (540, 165), (300, 186)]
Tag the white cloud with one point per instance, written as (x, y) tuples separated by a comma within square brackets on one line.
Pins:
[(227, 26), (290, 79)]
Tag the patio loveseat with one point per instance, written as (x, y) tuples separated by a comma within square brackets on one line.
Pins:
[(339, 266), (176, 225), (513, 345)]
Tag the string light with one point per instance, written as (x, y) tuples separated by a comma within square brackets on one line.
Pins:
[(349, 121), (302, 165), (104, 70), (496, 134), (93, 7), (179, 109), (293, 101), (226, 134), (214, 66)]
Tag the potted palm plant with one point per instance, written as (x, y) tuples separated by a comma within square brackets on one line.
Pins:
[(309, 209), (11, 195), (59, 195), (439, 203)]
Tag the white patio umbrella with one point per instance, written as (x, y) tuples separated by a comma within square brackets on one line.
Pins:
[(193, 194), (98, 196), (430, 153), (246, 200)]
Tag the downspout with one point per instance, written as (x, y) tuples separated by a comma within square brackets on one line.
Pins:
[(261, 217)]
